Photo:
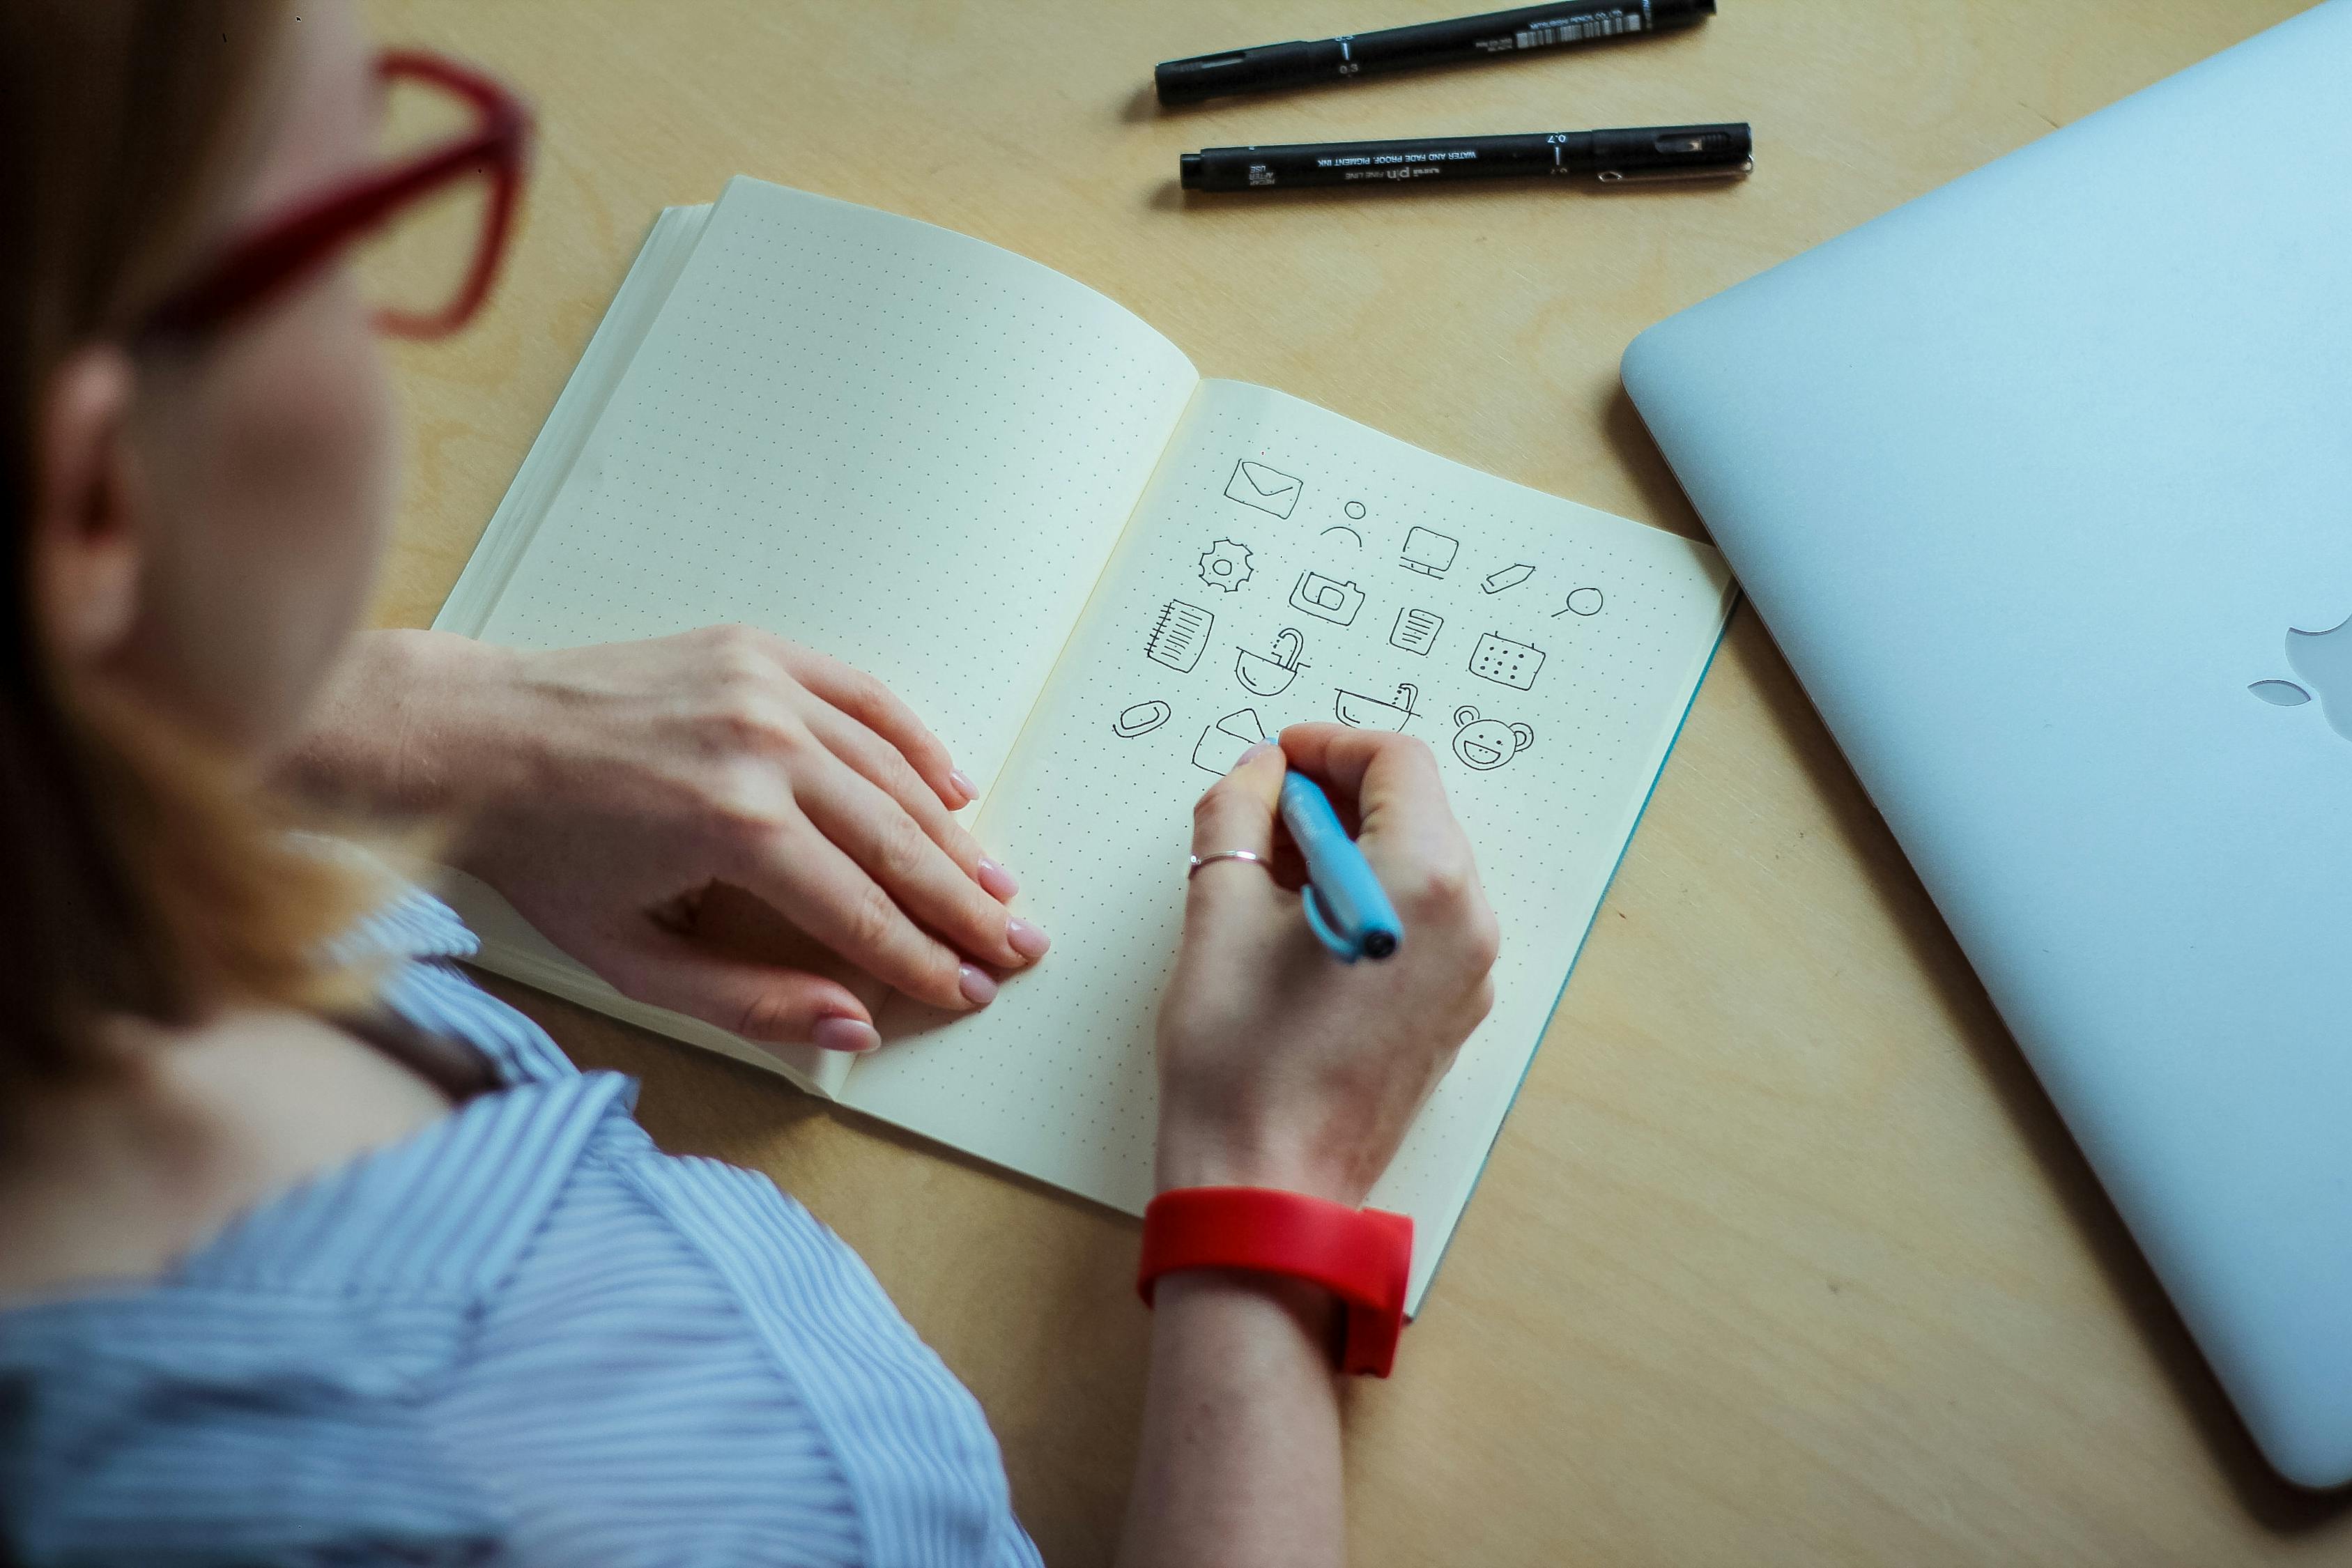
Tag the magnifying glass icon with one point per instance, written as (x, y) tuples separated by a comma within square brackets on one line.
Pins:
[(1580, 602)]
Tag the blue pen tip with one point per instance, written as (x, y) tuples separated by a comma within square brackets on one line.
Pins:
[(1379, 944)]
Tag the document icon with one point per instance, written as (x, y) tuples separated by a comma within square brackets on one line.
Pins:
[(1269, 490), (1416, 630)]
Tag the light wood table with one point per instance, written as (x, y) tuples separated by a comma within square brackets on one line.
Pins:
[(1782, 1256)]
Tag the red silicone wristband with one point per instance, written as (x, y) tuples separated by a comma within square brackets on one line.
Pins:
[(1362, 1256)]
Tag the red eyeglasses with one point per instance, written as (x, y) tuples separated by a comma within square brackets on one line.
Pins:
[(432, 217)]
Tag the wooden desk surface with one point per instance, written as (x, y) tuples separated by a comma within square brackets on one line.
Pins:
[(1782, 1256)]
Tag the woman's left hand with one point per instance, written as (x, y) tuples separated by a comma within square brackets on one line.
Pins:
[(609, 792)]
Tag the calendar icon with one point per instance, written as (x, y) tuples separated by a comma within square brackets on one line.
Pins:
[(1505, 662)]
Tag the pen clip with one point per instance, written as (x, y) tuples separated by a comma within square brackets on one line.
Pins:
[(1738, 171), (1337, 946)]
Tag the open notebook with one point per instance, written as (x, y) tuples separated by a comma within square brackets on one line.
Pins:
[(1097, 577)]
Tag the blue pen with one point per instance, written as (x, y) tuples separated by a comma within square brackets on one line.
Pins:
[(1346, 909)]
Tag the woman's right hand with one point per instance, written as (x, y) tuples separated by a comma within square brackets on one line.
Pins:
[(1280, 1067)]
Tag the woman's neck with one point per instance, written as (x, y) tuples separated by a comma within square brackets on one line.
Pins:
[(110, 1182)]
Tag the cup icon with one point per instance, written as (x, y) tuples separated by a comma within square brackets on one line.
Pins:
[(1270, 674), (1361, 712)]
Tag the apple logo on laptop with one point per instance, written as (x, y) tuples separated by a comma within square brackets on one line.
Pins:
[(2323, 660)]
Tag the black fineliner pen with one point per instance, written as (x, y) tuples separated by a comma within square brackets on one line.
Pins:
[(1659, 153), (1497, 35)]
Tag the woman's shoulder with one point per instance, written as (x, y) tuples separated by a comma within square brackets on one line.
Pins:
[(267, 1398), (419, 939), (113, 1178), (118, 1177), (528, 1265), (522, 1290)]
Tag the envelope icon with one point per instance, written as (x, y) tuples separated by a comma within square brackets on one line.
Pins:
[(1223, 742), (1269, 490)]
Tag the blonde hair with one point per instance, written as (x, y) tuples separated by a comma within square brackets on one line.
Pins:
[(142, 873)]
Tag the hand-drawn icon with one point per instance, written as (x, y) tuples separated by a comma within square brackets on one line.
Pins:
[(1225, 564), (1508, 577), (1140, 720), (1580, 602), (1416, 631), (1342, 528), (1428, 552), (1220, 745), (1505, 662), (1354, 508), (1360, 711), (1271, 677), (1484, 743), (1320, 596), (1179, 636), (1269, 490)]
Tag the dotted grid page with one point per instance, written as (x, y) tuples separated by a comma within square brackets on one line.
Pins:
[(896, 444), (1289, 564)]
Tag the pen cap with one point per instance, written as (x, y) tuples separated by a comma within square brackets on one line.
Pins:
[(1243, 71), (1666, 148)]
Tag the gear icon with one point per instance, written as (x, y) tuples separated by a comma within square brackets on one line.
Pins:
[(1225, 564)]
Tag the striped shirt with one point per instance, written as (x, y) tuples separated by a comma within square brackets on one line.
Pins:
[(521, 1335)]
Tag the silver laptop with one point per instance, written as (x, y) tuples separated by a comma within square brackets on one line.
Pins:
[(2043, 483)]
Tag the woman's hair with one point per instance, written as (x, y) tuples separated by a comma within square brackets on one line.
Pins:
[(138, 874)]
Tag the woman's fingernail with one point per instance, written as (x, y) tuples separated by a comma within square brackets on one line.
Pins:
[(977, 987), (845, 1035), (1027, 940), (1255, 752), (962, 781), (996, 882)]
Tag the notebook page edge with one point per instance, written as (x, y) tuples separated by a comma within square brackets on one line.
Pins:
[(636, 304), (1422, 1275)]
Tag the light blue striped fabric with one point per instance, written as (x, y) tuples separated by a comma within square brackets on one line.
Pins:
[(523, 1335)]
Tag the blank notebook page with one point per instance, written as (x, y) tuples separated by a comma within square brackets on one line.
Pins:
[(896, 444)]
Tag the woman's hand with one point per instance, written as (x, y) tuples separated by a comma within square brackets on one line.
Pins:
[(1278, 1067), (615, 794)]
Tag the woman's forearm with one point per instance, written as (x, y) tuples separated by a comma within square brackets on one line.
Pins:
[(1240, 1461), (396, 730)]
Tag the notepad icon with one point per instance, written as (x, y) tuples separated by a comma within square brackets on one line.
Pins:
[(1269, 490), (1179, 635), (1416, 630)]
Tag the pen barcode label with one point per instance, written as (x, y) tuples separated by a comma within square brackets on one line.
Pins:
[(1576, 29)]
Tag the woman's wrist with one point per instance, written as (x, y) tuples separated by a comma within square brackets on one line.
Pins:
[(1196, 1155), (413, 726)]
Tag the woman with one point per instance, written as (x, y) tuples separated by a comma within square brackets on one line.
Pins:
[(309, 1250)]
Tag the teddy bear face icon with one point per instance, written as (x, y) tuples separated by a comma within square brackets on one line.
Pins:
[(1484, 743)]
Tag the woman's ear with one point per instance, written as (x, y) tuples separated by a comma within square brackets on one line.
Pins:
[(85, 535)]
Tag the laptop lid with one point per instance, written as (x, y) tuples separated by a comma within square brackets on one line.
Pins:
[(2031, 479)]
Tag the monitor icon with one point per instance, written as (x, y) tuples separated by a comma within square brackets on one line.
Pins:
[(1429, 552)]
